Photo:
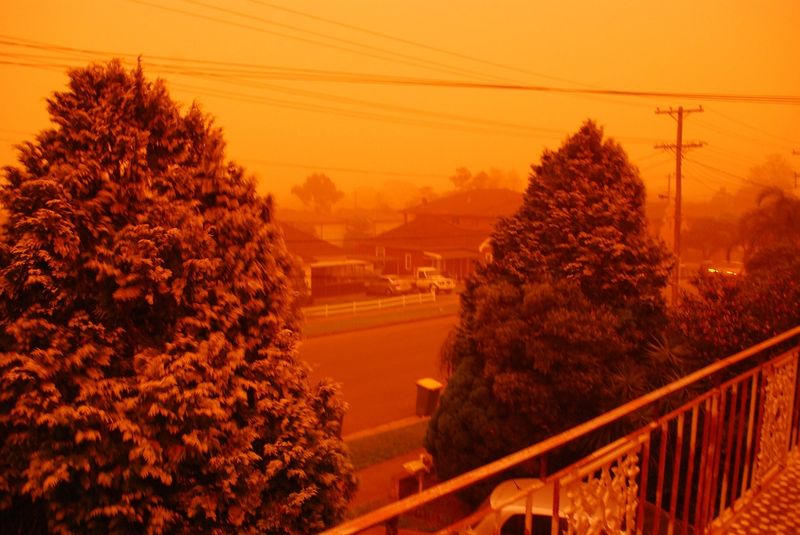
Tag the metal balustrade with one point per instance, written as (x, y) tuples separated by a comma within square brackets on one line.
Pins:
[(688, 469)]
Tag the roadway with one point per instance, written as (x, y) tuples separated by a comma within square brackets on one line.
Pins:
[(378, 367)]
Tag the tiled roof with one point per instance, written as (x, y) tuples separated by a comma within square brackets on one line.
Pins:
[(430, 233), (307, 246)]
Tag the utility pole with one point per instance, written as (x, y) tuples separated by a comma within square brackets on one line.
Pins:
[(679, 146)]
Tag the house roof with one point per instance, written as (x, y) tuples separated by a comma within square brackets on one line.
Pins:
[(307, 216), (307, 246), (478, 203), (430, 233)]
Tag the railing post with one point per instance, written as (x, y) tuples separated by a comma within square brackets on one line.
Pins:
[(794, 439), (554, 527)]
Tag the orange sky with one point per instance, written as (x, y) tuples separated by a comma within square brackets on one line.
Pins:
[(365, 135)]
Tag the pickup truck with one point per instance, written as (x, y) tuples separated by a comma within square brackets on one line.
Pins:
[(429, 279)]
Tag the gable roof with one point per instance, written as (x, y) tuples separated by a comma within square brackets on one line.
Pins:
[(478, 202), (430, 233), (307, 246)]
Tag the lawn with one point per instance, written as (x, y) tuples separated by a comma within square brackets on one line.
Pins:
[(373, 449)]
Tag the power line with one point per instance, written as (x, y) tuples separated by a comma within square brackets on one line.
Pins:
[(494, 125), (340, 169), (414, 43), (653, 165), (739, 135), (272, 72), (441, 67), (356, 114), (695, 171), (397, 108), (728, 173), (756, 129), (730, 154), (377, 52), (506, 127)]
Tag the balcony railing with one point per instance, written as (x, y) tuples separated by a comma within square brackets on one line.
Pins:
[(710, 442)]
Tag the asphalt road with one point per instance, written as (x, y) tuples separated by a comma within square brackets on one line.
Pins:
[(379, 367)]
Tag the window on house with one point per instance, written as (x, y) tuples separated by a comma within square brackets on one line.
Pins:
[(380, 251), (408, 261)]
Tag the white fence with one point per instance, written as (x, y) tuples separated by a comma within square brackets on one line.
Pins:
[(324, 311)]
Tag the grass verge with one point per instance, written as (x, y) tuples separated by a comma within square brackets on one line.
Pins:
[(373, 449)]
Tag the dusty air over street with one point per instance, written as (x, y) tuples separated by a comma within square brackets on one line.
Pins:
[(414, 267)]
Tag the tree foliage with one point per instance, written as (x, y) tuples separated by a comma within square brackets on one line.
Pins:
[(553, 331), (728, 314), (709, 236), (465, 180), (148, 370), (583, 220), (773, 226), (318, 192)]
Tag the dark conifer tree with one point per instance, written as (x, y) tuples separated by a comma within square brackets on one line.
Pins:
[(554, 330), (149, 380)]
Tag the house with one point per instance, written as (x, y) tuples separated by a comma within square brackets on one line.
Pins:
[(328, 227), (451, 233), (337, 228), (425, 241), (327, 270), (472, 209)]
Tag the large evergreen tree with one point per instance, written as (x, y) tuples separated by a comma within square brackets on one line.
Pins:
[(148, 371), (554, 330)]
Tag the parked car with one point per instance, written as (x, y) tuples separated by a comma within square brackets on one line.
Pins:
[(431, 280), (387, 285)]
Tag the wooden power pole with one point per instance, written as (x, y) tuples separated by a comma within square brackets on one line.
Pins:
[(679, 146)]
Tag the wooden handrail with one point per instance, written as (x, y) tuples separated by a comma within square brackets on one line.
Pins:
[(466, 479)]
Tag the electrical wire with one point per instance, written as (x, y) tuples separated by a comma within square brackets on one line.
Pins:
[(729, 154), (341, 169), (653, 165), (414, 43), (793, 142), (693, 173), (504, 128), (377, 79), (728, 173), (356, 114), (726, 132), (379, 54), (435, 65)]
